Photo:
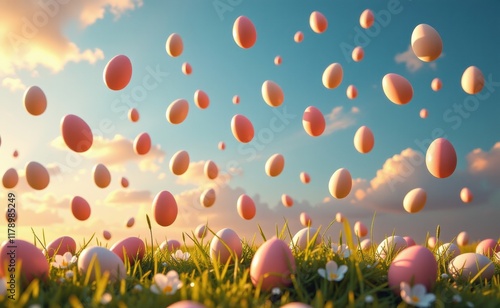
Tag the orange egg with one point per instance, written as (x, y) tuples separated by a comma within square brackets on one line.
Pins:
[(277, 60), (187, 69), (441, 158), (366, 19), (298, 37), (221, 146), (124, 182), (286, 200), (76, 133), (340, 183), (133, 115), (472, 80), (246, 207), (37, 176), (358, 53), (142, 144), (80, 208), (102, 177), (179, 163), (244, 32), (423, 113), (305, 178), (15, 154), (415, 200), (351, 92), (236, 99), (207, 197), (466, 195), (397, 89), (10, 178), (61, 245), (318, 22), (313, 121), (339, 217), (164, 208), (211, 170), (35, 101), (242, 128), (106, 234), (177, 111), (463, 238), (131, 248), (364, 140), (225, 246), (275, 165), (360, 229), (305, 219), (436, 84), (426, 43), (332, 76), (130, 222), (201, 99), (174, 45), (272, 93), (118, 72)]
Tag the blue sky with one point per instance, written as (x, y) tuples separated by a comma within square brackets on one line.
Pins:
[(73, 83)]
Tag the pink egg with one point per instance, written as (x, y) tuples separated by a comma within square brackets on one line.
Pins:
[(130, 222), (472, 80), (133, 115), (102, 176), (221, 146), (397, 89), (207, 197), (286, 200), (225, 246), (174, 45), (35, 101), (463, 238), (177, 111), (332, 76), (488, 247), (15, 154), (124, 182), (365, 244), (468, 265), (432, 242), (415, 200), (296, 305), (186, 304), (360, 229), (106, 234), (390, 247), (246, 207), (201, 231), (211, 170), (76, 133), (164, 208), (118, 72), (201, 99), (305, 178), (170, 245), (466, 195), (409, 241), (305, 219), (142, 144), (441, 158), (318, 22), (60, 246), (274, 165), (340, 183), (80, 208), (436, 84), (313, 121), (366, 19), (108, 262), (37, 176), (364, 140), (423, 113), (179, 163), (34, 264), (244, 32), (236, 99), (277, 60), (426, 43), (298, 37), (339, 217), (187, 69), (242, 128), (413, 265), (351, 92), (304, 237), (272, 93), (10, 178), (131, 248), (272, 265), (357, 54)]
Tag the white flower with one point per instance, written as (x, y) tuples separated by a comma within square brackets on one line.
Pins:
[(164, 264), (332, 271), (69, 275), (3, 286), (470, 304), (166, 284), (368, 299), (64, 261), (138, 288), (342, 250), (276, 291), (444, 276), (181, 256), (457, 298), (416, 295), (106, 298)]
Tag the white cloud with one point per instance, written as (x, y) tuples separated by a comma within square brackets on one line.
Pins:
[(337, 119), (411, 61), (13, 84)]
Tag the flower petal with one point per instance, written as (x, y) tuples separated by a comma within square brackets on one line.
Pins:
[(160, 280), (322, 272), (331, 266), (418, 290), (59, 259), (154, 288), (342, 270), (172, 275)]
